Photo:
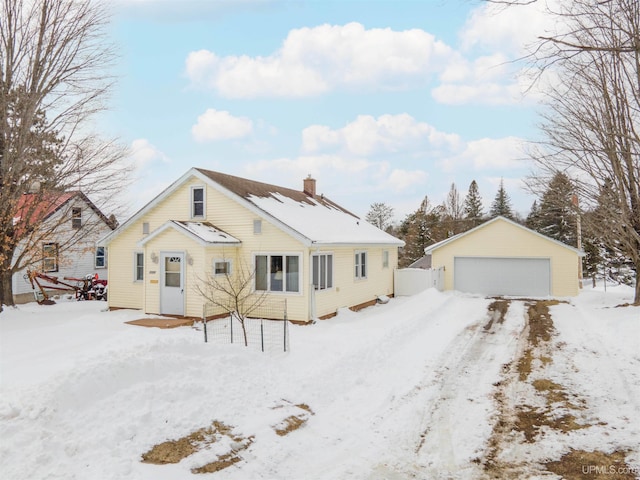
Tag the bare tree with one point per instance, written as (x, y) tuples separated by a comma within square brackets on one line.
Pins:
[(592, 116), (53, 79), (380, 215), (233, 293), (453, 209)]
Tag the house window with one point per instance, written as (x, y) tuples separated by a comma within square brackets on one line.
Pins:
[(257, 227), (197, 202), (76, 217), (50, 257), (322, 271), (101, 257), (138, 273), (361, 265), (385, 259), (277, 273), (222, 267)]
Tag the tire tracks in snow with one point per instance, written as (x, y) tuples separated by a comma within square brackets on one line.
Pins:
[(454, 427)]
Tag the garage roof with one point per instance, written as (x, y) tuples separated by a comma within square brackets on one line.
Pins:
[(430, 249)]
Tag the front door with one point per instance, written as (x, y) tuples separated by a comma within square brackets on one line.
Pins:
[(172, 283)]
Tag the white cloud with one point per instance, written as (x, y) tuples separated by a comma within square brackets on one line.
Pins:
[(488, 80), (488, 154), (403, 180), (220, 125), (315, 60), (510, 28), (368, 135), (143, 153)]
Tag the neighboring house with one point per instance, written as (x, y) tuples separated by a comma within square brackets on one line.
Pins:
[(502, 257), (69, 226), (300, 246)]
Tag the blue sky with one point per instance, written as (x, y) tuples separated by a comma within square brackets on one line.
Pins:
[(380, 101)]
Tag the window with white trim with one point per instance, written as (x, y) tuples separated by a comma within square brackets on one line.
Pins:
[(361, 264), (197, 202), (50, 257), (322, 271), (76, 217), (138, 262), (277, 273), (101, 257), (222, 267), (385, 259)]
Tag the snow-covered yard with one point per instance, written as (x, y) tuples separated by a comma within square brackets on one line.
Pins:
[(421, 387)]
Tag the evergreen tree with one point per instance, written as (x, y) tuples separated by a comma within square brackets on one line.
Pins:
[(473, 206), (557, 214), (501, 205), (533, 219), (419, 230)]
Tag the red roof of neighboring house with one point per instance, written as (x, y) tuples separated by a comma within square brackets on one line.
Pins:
[(37, 207)]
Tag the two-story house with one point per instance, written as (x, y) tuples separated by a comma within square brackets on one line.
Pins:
[(64, 242), (297, 244)]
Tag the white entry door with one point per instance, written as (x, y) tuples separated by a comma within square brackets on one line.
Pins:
[(172, 283)]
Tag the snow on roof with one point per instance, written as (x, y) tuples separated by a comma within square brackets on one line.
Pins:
[(203, 232), (207, 232), (320, 222)]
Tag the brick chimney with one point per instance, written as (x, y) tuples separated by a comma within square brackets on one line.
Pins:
[(309, 186)]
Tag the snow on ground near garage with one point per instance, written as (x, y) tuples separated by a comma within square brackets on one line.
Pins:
[(395, 390)]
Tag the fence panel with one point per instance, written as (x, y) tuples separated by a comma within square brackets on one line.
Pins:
[(409, 281), (267, 329)]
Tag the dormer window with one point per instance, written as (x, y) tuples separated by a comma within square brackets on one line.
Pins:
[(197, 202), (76, 217)]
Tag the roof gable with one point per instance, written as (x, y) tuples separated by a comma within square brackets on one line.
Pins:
[(430, 249), (311, 219), (38, 207)]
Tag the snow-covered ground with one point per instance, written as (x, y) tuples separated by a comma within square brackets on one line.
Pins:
[(396, 391)]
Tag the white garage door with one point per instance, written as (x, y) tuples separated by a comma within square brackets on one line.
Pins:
[(503, 276)]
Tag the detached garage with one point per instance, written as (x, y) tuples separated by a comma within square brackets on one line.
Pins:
[(502, 257)]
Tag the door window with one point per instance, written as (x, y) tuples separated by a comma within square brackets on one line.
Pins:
[(172, 271)]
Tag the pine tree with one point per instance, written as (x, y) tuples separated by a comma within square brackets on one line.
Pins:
[(473, 206), (501, 205), (557, 214), (533, 219), (421, 229)]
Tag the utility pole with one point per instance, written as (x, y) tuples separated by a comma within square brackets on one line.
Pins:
[(576, 205)]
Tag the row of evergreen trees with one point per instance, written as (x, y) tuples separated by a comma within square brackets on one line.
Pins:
[(554, 214), (432, 223)]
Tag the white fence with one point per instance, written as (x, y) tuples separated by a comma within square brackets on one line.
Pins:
[(409, 281)]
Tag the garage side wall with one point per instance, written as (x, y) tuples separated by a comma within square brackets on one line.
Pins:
[(502, 239)]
